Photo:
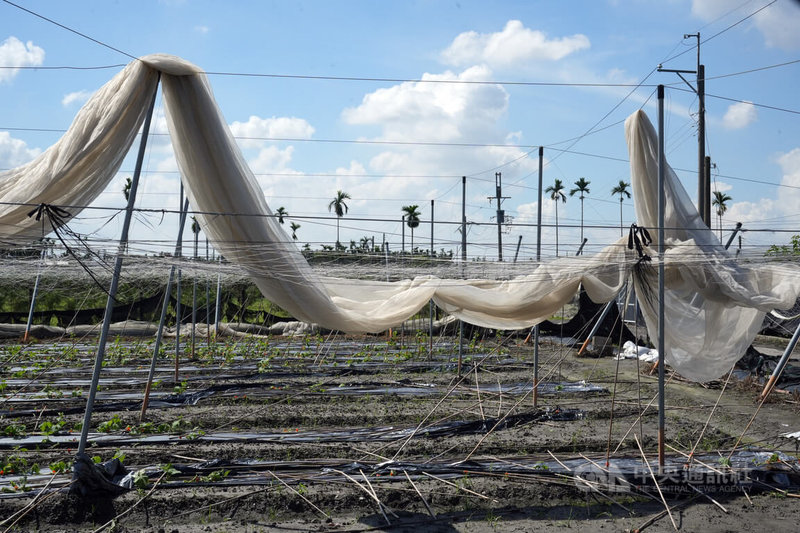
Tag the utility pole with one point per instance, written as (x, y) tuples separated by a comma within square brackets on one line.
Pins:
[(464, 219), (498, 187), (703, 177)]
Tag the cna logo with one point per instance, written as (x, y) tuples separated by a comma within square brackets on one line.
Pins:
[(591, 477)]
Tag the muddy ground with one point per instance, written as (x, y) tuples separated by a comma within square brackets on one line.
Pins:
[(311, 434)]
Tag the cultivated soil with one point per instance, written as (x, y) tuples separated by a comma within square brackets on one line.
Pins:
[(327, 433)]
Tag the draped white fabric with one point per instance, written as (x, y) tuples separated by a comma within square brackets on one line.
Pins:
[(714, 305), (710, 319)]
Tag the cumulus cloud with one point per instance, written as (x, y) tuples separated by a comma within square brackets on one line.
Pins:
[(14, 152), (413, 111), (513, 46), (79, 97), (778, 23), (765, 210), (250, 134), (15, 53), (202, 29), (739, 115)]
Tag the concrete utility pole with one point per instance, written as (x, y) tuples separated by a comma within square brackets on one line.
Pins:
[(498, 186), (703, 175), (464, 218)]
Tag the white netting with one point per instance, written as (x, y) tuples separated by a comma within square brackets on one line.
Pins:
[(714, 303)]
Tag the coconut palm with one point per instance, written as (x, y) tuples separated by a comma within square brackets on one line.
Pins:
[(281, 212), (412, 220), (339, 207), (622, 190), (295, 226), (556, 192), (126, 190), (581, 186), (720, 201)]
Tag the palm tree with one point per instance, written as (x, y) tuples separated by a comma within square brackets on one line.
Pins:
[(281, 212), (581, 186), (338, 206), (295, 226), (720, 202), (556, 192), (622, 190), (126, 190), (412, 220)]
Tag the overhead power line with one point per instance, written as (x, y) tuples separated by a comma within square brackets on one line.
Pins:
[(76, 32)]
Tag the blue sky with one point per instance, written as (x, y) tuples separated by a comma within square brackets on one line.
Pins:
[(574, 64)]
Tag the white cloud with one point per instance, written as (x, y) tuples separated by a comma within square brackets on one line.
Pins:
[(15, 53), (202, 29), (414, 111), (14, 152), (721, 186), (514, 46), (739, 115), (763, 212), (78, 96), (249, 133), (710, 9), (778, 23)]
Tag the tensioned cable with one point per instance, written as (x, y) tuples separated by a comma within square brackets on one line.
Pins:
[(759, 69), (756, 12), (76, 32), (43, 67)]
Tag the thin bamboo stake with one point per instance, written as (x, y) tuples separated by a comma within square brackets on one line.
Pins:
[(708, 420), (424, 501), (616, 377), (460, 488), (323, 513), (132, 507), (478, 391), (664, 501), (709, 498), (19, 515), (371, 495)]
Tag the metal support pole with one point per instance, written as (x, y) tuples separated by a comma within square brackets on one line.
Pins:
[(29, 324), (538, 261), (161, 322), (157, 346), (430, 303), (733, 235), (112, 291), (498, 185), (661, 201), (464, 219), (178, 310), (580, 249), (217, 302), (596, 326), (701, 140), (516, 253), (208, 304), (403, 233), (781, 364), (194, 291), (460, 345)]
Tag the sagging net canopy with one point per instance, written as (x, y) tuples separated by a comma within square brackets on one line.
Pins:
[(715, 304)]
